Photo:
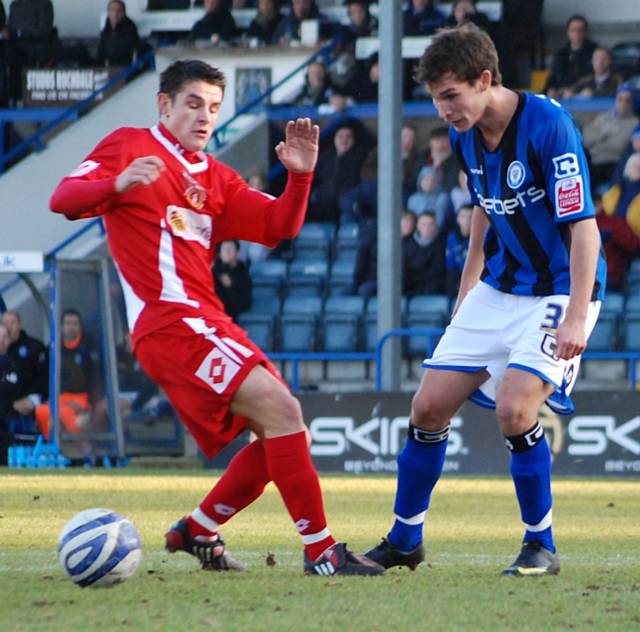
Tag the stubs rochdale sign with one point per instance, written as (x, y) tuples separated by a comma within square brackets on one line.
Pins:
[(363, 433)]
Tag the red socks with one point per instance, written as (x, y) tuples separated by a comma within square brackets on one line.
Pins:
[(287, 462), (242, 482), (290, 468)]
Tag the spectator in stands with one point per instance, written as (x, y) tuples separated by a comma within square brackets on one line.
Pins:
[(623, 200), (364, 88), (249, 250), (361, 22), (11, 390), (603, 82), (232, 281), (573, 61), (338, 171), (288, 29), (430, 197), (633, 147), (607, 135), (620, 245), (423, 259), (460, 195), (456, 249), (264, 25), (119, 39), (217, 25), (466, 11), (31, 38), (422, 18), (317, 87), (441, 158), (79, 381), (411, 161), (30, 355)]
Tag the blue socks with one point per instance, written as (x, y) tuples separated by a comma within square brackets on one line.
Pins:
[(531, 472), (419, 467)]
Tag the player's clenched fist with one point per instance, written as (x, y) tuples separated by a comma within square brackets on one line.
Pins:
[(143, 170)]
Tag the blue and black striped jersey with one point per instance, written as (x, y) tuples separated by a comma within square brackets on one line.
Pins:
[(531, 187)]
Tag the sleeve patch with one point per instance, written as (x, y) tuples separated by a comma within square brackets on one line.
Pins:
[(566, 165), (569, 196), (84, 168)]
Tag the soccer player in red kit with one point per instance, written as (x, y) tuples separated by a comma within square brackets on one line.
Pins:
[(166, 205)]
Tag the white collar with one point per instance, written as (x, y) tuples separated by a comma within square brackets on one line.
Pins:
[(196, 167)]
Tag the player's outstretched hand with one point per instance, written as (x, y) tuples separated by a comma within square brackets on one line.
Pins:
[(570, 339), (299, 150), (143, 170)]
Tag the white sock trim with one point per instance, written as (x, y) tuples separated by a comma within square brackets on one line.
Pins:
[(312, 538), (545, 523), (412, 520), (203, 520)]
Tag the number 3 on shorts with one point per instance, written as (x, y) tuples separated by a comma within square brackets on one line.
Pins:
[(552, 317)]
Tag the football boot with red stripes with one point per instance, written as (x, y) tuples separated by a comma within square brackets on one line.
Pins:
[(210, 552)]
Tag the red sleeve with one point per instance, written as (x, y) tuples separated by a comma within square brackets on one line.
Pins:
[(89, 190), (254, 216)]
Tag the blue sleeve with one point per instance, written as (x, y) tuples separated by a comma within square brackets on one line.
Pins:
[(450, 259), (565, 168)]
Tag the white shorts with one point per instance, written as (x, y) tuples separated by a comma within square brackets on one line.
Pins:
[(494, 330)]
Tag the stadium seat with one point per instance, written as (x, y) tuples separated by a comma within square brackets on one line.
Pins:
[(348, 234), (351, 305), (302, 305), (604, 334), (433, 307), (304, 286), (314, 241), (631, 332), (269, 267), (298, 332), (266, 286), (633, 305), (613, 304), (422, 345), (265, 305), (261, 329), (341, 332), (370, 332), (341, 277)]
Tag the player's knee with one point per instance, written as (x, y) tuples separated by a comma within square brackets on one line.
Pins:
[(426, 413), (280, 412), (512, 415)]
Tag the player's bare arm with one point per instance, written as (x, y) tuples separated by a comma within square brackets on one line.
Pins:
[(475, 256), (144, 170), (585, 246), (299, 150)]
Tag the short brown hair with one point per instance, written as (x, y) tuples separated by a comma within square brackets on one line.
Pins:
[(464, 51), (174, 77)]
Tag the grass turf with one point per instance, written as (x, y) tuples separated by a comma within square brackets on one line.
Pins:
[(473, 532)]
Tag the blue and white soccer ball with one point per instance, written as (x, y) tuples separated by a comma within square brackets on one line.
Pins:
[(99, 547)]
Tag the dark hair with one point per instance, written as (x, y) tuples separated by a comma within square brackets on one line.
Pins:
[(439, 132), (71, 312), (120, 2), (577, 17), (465, 51), (174, 77)]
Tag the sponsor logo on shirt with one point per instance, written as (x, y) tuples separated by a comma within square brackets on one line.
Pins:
[(189, 225), (509, 206), (476, 171), (566, 165), (569, 196)]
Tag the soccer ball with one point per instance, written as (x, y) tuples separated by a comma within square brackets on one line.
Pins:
[(99, 547)]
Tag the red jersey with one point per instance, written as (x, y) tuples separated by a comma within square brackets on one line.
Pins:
[(163, 236)]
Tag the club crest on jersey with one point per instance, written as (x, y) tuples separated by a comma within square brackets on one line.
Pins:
[(569, 196), (189, 225), (515, 174), (195, 193)]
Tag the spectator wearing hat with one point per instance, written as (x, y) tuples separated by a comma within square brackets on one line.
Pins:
[(572, 62), (603, 82), (607, 136)]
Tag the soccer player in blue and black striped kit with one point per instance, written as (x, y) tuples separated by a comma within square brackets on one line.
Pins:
[(530, 292)]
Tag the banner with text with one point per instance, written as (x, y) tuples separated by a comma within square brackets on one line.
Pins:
[(364, 432)]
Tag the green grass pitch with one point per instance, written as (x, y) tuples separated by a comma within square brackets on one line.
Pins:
[(473, 531)]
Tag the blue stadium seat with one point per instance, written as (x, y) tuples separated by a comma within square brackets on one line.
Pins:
[(298, 332), (420, 345), (304, 286), (348, 234), (347, 253), (270, 305), (341, 332), (303, 267), (433, 307), (613, 304), (266, 286), (269, 267), (631, 332), (314, 241), (341, 278), (318, 230), (352, 305), (604, 334), (372, 307), (370, 333), (261, 329), (633, 304), (302, 305)]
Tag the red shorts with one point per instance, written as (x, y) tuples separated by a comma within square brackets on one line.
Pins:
[(200, 363)]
